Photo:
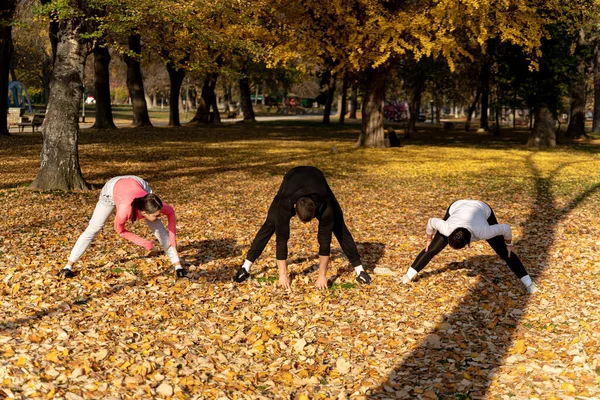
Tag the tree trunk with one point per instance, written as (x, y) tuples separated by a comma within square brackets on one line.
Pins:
[(59, 167), (486, 71), (596, 122), (135, 84), (342, 108), (415, 106), (104, 118), (472, 108), (207, 97), (353, 101), (576, 128), (226, 97), (216, 113), (371, 134), (176, 76), (328, 84), (45, 78), (543, 133), (245, 101), (6, 51)]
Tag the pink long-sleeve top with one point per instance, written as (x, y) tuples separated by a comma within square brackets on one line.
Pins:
[(125, 191)]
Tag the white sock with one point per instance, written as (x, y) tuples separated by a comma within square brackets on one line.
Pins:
[(358, 269), (178, 266), (526, 280), (67, 267), (411, 273), (247, 265)]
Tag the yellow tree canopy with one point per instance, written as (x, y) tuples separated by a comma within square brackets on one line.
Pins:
[(358, 34)]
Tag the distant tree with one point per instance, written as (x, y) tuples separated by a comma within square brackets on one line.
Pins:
[(7, 10)]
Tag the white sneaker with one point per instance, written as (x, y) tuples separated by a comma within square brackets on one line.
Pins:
[(405, 279), (532, 288)]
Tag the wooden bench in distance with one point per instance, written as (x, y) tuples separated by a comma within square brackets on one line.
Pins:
[(37, 120)]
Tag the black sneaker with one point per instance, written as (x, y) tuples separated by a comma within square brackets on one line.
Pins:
[(241, 275), (181, 273), (66, 273), (363, 278)]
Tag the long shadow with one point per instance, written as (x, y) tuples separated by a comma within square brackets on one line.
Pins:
[(460, 357)]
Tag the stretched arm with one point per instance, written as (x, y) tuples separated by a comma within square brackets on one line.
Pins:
[(325, 231), (132, 237), (321, 282), (437, 224), (284, 276)]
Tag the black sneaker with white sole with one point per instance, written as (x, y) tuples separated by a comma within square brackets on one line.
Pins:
[(66, 273), (181, 273), (363, 278), (241, 275)]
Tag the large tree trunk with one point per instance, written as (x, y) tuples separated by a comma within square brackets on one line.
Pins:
[(576, 128), (543, 133), (6, 50), (415, 105), (596, 122), (59, 167), (245, 100), (343, 106), (472, 108), (371, 134), (486, 71), (135, 84), (176, 76), (328, 86), (104, 117), (207, 97), (353, 101)]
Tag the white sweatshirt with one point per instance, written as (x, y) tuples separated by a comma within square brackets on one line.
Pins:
[(472, 215)]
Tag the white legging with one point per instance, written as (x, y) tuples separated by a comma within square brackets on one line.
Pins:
[(99, 217)]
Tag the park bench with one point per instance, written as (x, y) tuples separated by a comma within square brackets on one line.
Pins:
[(36, 121)]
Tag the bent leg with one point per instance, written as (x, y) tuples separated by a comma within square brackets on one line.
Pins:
[(499, 246), (162, 235), (344, 237), (264, 234), (437, 244), (99, 217), (435, 247)]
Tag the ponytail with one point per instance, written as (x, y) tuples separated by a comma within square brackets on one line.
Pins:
[(150, 204)]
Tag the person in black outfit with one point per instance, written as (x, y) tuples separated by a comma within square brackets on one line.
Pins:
[(305, 193)]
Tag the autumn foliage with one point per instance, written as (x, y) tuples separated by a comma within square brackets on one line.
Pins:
[(125, 328)]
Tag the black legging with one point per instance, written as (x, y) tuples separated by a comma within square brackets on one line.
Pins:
[(440, 241), (340, 230)]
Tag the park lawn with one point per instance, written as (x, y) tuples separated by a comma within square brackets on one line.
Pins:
[(125, 328)]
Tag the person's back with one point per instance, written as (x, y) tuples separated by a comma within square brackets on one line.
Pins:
[(303, 181)]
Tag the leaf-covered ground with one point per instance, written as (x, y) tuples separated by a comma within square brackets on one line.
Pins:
[(124, 328)]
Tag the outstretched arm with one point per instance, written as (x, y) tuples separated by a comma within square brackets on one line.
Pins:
[(284, 276), (321, 282)]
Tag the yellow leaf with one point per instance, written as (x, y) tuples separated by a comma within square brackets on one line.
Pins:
[(567, 387), (52, 356), (21, 361), (15, 288), (519, 347)]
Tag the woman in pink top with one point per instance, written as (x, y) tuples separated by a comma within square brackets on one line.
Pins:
[(133, 199)]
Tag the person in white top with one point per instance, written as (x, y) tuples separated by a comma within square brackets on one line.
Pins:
[(468, 221)]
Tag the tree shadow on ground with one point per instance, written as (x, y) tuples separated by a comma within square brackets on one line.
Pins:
[(460, 357)]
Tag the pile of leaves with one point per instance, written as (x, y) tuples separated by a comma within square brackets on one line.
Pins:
[(124, 327)]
